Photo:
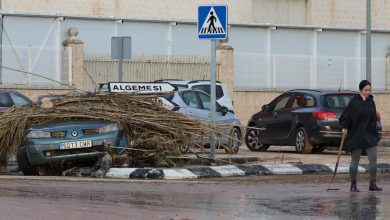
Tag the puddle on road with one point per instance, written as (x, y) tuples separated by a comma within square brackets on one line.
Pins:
[(347, 206)]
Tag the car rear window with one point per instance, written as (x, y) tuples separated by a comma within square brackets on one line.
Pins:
[(337, 100)]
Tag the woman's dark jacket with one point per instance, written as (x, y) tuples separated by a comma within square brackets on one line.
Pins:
[(360, 119)]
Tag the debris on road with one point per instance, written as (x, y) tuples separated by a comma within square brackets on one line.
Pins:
[(154, 133)]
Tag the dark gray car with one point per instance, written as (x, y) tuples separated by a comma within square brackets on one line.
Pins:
[(307, 119)]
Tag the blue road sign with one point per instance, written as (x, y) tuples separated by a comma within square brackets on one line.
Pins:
[(212, 22)]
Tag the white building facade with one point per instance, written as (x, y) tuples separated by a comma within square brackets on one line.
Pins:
[(277, 44)]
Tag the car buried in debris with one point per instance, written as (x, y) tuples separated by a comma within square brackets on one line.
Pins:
[(66, 142)]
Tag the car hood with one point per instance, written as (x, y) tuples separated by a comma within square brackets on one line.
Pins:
[(71, 124)]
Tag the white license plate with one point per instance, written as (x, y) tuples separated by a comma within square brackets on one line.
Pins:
[(76, 144)]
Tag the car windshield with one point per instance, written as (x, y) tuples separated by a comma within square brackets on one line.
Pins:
[(337, 100)]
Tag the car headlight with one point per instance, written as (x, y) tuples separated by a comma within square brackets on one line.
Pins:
[(38, 134), (108, 128)]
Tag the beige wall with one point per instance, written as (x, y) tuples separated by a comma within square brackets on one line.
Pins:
[(332, 13), (279, 12), (239, 11), (349, 13)]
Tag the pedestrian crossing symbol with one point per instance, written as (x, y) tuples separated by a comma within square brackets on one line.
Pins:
[(212, 22)]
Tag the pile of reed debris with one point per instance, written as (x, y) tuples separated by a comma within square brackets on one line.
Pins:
[(154, 133)]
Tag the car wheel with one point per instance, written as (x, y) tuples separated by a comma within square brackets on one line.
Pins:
[(302, 144), (234, 141), (318, 149), (252, 141), (24, 164)]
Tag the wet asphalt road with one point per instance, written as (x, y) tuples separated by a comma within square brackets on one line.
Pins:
[(251, 197)]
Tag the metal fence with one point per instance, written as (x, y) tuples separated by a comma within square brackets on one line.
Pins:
[(258, 71), (46, 64), (100, 68)]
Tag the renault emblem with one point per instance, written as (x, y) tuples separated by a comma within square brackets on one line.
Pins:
[(74, 133)]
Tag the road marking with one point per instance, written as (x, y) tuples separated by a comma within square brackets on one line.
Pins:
[(120, 173), (178, 174), (229, 170), (283, 169)]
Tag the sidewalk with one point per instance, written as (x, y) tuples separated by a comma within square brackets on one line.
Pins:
[(276, 161), (234, 170)]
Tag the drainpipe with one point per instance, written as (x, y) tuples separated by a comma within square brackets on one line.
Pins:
[(1, 44)]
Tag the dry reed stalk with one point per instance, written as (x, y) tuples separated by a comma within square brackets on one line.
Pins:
[(154, 133)]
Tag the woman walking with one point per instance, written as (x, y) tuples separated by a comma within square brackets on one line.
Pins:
[(358, 123)]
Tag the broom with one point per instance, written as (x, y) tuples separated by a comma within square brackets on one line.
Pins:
[(337, 164)]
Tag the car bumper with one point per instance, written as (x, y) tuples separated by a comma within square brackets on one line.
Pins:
[(330, 138), (44, 153)]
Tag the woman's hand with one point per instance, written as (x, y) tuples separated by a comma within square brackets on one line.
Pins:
[(344, 131)]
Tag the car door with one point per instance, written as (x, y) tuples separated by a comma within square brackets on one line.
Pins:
[(276, 123), (194, 106), (223, 120), (290, 114)]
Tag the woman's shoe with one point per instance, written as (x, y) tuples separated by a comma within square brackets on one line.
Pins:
[(374, 187), (354, 187)]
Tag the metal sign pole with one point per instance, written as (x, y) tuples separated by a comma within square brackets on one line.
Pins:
[(212, 90), (120, 59), (120, 49), (213, 24)]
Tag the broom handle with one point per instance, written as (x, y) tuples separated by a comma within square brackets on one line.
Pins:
[(338, 157)]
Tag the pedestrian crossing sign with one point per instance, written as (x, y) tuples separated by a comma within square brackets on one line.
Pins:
[(212, 22)]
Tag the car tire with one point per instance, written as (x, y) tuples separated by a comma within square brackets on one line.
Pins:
[(302, 144), (252, 141), (24, 164), (234, 142)]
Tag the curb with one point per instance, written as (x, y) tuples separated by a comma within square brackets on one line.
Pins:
[(234, 171)]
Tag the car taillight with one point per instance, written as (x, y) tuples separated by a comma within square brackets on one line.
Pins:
[(323, 115), (378, 116)]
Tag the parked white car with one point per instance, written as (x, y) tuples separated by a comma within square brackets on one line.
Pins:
[(197, 104), (222, 95)]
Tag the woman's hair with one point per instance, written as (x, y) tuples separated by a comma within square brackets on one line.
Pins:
[(363, 84)]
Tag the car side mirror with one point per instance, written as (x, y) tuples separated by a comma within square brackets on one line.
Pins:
[(265, 108), (176, 108), (224, 110)]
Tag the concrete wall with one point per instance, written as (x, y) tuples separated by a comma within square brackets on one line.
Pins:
[(246, 103), (348, 13), (333, 13), (239, 11), (280, 12)]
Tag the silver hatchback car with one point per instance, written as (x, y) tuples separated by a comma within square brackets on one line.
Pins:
[(197, 104)]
